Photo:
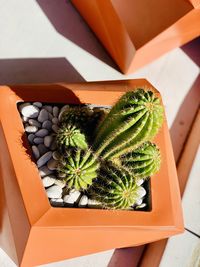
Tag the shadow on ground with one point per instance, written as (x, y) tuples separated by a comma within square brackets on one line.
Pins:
[(37, 70), (68, 22)]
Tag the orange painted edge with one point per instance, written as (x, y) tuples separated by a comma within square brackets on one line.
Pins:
[(154, 251), (115, 38), (93, 92)]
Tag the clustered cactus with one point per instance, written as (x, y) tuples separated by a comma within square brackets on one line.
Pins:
[(109, 162)]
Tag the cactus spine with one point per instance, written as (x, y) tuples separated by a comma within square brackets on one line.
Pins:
[(115, 188), (143, 161), (78, 168), (122, 149), (76, 115), (70, 136), (134, 119)]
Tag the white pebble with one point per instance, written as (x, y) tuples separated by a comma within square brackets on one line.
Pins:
[(55, 128), (55, 111), (141, 192), (55, 120), (48, 108), (62, 175), (72, 197), (50, 116), (37, 104), (31, 129), (42, 148), (38, 140), (44, 171), (36, 152), (42, 133), (138, 201), (53, 145), (48, 140), (60, 183), (48, 181), (54, 191), (62, 111), (83, 201), (139, 182), (56, 155), (31, 137), (47, 125), (43, 115), (29, 111), (93, 203), (25, 119), (44, 159), (21, 106), (52, 164), (141, 206), (58, 202), (34, 123)]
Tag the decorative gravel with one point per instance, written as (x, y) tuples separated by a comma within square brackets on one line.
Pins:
[(41, 123)]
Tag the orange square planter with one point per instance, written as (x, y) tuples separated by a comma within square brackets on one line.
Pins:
[(135, 32), (32, 231)]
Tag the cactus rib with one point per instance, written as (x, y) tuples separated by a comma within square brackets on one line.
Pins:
[(143, 161), (115, 188), (78, 168), (70, 136), (134, 119)]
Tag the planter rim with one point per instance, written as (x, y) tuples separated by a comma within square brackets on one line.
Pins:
[(166, 211)]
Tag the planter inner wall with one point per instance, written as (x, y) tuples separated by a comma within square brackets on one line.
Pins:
[(144, 20)]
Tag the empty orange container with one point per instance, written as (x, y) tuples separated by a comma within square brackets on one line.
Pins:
[(135, 32), (32, 231)]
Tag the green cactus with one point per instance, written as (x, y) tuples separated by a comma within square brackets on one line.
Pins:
[(143, 161), (115, 188), (70, 136), (134, 119), (84, 118), (77, 115), (78, 168)]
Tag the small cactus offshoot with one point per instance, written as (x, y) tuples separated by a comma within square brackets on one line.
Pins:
[(83, 118), (78, 168), (76, 115), (134, 119), (115, 188), (70, 136), (143, 161)]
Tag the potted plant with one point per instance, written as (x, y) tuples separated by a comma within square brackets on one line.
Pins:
[(137, 32), (45, 231)]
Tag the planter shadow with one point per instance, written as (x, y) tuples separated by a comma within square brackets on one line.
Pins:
[(137, 32), (42, 233), (37, 70), (67, 22)]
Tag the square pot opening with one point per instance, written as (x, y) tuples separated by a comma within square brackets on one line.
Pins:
[(144, 20), (147, 199)]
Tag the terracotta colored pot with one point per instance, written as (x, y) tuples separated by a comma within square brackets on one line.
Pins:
[(137, 32), (33, 232)]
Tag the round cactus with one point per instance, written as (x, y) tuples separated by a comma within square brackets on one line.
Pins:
[(77, 115), (134, 119), (78, 168), (143, 161), (70, 136), (115, 188)]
